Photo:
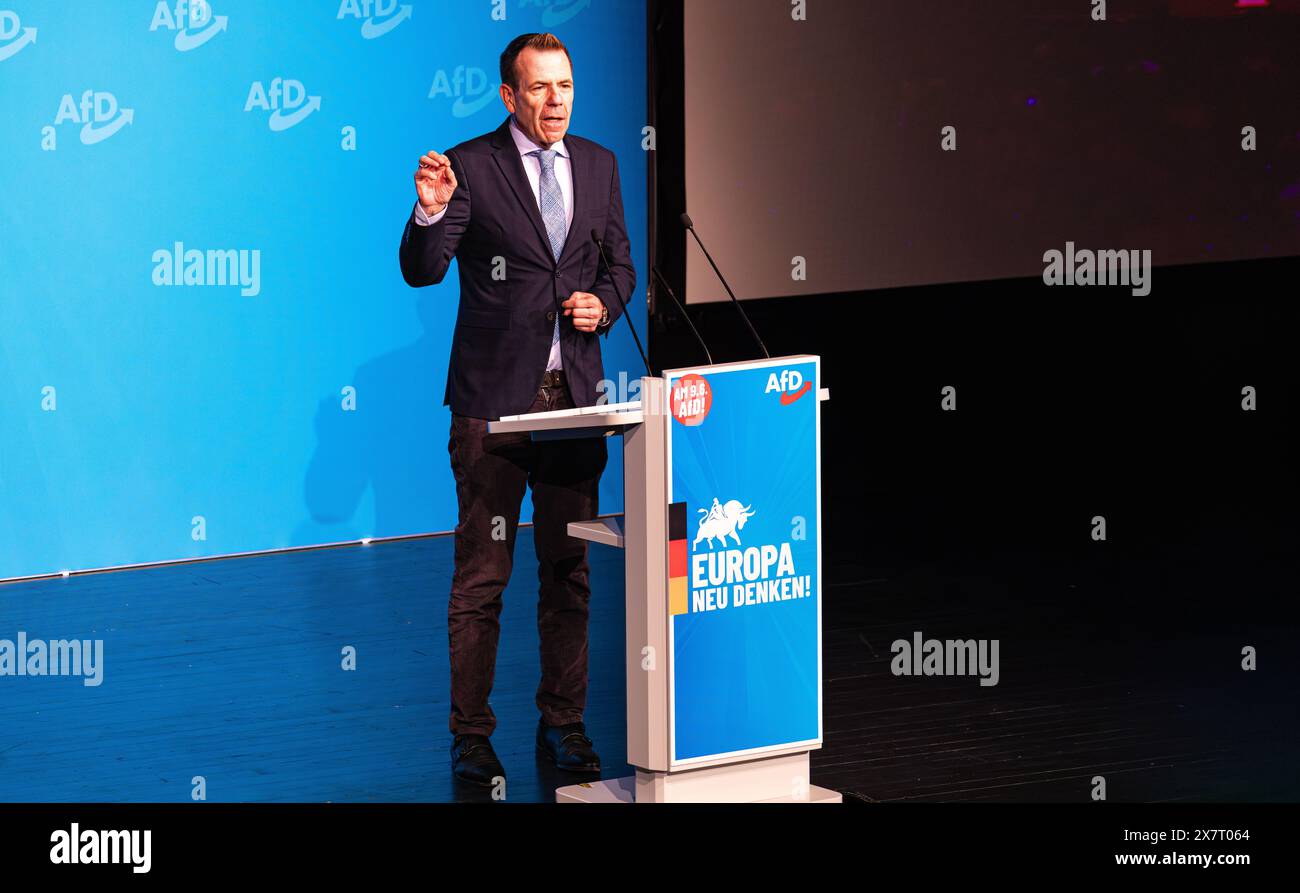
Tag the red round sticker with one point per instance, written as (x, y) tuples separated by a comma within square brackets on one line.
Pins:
[(691, 399)]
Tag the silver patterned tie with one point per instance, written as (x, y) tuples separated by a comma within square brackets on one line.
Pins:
[(552, 207)]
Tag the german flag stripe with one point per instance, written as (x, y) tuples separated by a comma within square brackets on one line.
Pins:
[(678, 559)]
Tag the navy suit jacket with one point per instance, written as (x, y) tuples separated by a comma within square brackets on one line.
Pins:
[(504, 327)]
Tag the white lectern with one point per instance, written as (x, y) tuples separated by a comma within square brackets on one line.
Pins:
[(721, 530)]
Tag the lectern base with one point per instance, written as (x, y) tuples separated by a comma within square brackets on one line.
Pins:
[(623, 790), (781, 778), (614, 790)]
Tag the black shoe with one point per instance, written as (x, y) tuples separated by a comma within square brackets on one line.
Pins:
[(474, 760), (568, 746)]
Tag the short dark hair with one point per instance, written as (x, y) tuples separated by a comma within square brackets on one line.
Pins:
[(511, 53)]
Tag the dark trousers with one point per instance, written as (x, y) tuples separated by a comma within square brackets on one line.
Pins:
[(492, 471)]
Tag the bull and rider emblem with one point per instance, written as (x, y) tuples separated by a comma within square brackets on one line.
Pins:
[(721, 521)]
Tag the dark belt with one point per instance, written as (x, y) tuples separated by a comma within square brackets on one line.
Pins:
[(553, 378)]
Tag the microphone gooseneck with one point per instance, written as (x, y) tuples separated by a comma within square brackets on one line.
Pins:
[(686, 222), (600, 247), (667, 288)]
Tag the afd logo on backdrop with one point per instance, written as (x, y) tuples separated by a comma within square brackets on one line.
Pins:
[(286, 100), (556, 12), (192, 20), (470, 87), (97, 113), (13, 36), (389, 13), (789, 384)]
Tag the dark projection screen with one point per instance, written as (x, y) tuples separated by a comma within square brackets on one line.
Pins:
[(1118, 134)]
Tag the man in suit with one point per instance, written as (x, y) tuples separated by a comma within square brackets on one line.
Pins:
[(516, 208)]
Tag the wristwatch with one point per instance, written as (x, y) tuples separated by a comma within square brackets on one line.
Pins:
[(604, 317)]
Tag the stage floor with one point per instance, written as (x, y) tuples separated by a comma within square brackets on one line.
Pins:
[(231, 670)]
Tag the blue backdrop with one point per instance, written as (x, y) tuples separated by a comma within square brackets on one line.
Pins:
[(287, 390)]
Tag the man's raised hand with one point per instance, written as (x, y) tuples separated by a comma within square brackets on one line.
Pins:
[(435, 182)]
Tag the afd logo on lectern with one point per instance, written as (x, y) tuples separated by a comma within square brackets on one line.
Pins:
[(13, 36), (96, 111), (192, 20), (285, 99), (389, 13), (789, 383)]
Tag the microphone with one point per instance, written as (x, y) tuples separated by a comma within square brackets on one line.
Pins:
[(686, 222), (664, 282), (600, 246)]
